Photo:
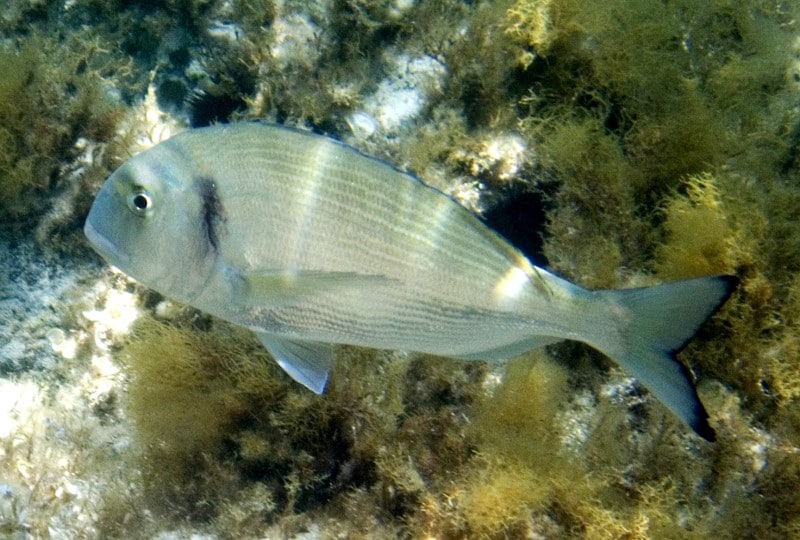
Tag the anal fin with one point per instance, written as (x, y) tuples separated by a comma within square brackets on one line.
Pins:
[(514, 349)]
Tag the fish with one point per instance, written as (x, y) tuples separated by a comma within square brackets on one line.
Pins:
[(311, 244)]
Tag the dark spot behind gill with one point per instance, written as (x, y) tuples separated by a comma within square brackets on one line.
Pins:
[(212, 216)]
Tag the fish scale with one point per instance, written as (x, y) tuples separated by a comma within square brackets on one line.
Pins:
[(310, 243)]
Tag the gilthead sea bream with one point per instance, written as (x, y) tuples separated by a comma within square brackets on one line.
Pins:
[(310, 243)]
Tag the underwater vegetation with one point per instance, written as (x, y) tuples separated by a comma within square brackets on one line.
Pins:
[(658, 140), (52, 106)]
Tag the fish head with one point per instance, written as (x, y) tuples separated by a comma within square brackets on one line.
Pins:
[(144, 222)]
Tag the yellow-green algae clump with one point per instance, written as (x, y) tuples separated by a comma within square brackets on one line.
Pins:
[(663, 140), (50, 98)]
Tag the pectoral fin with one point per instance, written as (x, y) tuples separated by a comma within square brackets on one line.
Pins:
[(281, 286), (307, 362)]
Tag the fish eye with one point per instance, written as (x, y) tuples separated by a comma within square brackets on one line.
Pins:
[(140, 202)]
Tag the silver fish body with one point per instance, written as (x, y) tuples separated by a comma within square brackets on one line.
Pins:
[(310, 243)]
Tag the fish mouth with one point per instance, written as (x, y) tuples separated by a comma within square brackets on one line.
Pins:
[(105, 247)]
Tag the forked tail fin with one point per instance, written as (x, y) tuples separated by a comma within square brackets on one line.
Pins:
[(658, 322)]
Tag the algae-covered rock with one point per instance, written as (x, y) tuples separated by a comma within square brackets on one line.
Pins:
[(657, 141)]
